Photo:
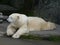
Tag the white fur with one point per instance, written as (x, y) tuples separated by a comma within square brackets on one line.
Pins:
[(26, 24)]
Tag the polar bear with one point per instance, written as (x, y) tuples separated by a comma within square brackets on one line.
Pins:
[(26, 24)]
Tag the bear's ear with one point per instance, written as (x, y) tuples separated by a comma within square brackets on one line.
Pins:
[(17, 17)]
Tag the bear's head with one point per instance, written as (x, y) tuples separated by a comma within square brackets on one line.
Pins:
[(13, 17), (16, 17)]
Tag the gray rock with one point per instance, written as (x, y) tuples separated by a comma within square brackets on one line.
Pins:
[(6, 9), (17, 3), (49, 10)]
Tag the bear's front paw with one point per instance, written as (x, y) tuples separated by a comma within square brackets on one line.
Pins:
[(9, 33), (15, 36)]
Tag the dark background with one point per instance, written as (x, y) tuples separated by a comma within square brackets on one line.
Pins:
[(47, 9)]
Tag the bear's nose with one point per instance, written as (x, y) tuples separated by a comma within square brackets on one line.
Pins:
[(7, 19)]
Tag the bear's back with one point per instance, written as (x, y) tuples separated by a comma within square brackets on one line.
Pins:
[(34, 23)]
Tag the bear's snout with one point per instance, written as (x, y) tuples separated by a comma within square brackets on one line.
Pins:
[(9, 20)]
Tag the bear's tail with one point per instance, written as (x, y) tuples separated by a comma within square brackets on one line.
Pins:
[(51, 25)]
